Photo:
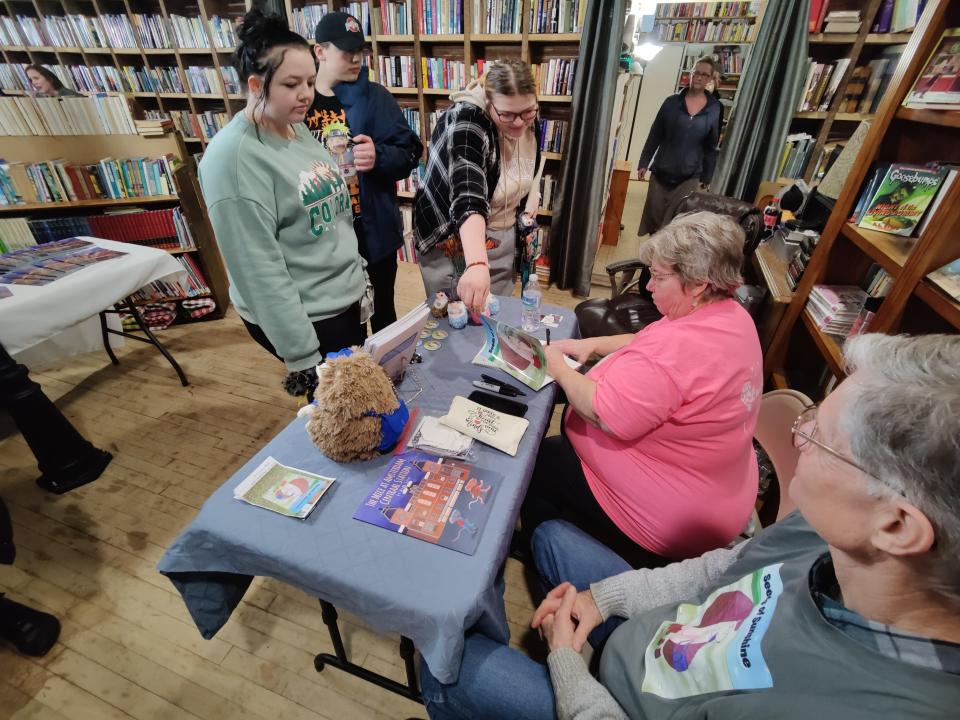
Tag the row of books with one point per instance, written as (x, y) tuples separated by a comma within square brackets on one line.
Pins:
[(893, 16), (412, 116), (701, 31), (902, 199), (411, 183), (730, 61), (548, 186), (195, 285), (938, 85), (92, 115), (798, 263), (835, 308), (827, 156), (823, 79), (397, 71), (797, 150), (203, 79), (440, 17), (15, 235), (745, 8), (443, 73), (305, 19), (552, 135), (361, 11), (499, 16), (555, 77), (110, 178), (393, 18), (198, 125), (557, 16), (165, 229), (408, 251)]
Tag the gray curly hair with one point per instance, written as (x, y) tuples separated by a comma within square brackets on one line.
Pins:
[(701, 247)]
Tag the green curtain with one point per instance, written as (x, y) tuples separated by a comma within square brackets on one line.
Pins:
[(768, 95), (577, 212)]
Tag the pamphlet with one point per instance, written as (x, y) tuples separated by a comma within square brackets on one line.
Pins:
[(394, 346), (283, 489), (44, 263), (437, 500), (517, 353)]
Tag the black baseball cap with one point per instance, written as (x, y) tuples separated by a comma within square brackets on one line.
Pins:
[(341, 29)]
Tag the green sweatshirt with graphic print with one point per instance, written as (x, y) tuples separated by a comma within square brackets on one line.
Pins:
[(281, 214)]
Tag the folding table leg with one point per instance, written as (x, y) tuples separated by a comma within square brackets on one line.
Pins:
[(339, 660), (129, 306)]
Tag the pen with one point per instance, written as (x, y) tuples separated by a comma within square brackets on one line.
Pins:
[(548, 336), (501, 383), (499, 389)]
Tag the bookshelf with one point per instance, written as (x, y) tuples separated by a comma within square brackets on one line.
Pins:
[(799, 350), (823, 129), (90, 149)]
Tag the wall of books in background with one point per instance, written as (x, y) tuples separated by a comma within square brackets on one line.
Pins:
[(722, 30), (854, 49), (888, 259)]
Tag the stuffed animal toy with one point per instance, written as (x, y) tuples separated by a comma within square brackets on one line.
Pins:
[(355, 412)]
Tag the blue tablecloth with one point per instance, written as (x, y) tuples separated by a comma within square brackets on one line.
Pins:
[(394, 582)]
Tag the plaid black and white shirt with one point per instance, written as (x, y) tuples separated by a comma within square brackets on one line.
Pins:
[(462, 172), (885, 639)]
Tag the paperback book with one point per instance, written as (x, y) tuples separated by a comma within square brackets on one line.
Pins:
[(938, 85), (393, 346), (899, 203), (436, 500), (948, 279), (284, 490), (515, 352)]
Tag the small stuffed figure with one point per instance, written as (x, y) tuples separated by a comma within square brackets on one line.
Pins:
[(439, 306), (355, 414)]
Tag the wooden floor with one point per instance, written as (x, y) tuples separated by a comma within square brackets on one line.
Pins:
[(128, 647)]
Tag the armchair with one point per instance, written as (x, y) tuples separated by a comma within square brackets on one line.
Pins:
[(630, 307)]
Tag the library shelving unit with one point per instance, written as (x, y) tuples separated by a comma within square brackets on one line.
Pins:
[(800, 355), (90, 149), (831, 125), (399, 29), (104, 45), (724, 30)]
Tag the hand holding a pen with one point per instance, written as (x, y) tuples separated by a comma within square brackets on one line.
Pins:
[(579, 350)]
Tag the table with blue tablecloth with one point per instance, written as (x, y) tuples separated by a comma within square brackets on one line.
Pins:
[(395, 583)]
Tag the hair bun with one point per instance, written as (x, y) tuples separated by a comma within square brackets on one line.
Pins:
[(256, 26)]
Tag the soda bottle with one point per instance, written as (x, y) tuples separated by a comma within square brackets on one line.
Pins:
[(771, 215), (530, 300)]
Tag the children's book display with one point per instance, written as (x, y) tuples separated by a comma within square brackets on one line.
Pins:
[(902, 197), (938, 85), (438, 500), (284, 490), (42, 264)]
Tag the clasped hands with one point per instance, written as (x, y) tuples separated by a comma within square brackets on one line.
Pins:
[(566, 617)]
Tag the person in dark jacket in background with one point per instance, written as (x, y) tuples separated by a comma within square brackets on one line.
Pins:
[(684, 137), (385, 149)]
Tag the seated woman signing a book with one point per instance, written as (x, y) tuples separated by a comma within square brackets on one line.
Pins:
[(281, 210), (656, 445)]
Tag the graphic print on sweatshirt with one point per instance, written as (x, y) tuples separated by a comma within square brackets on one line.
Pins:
[(715, 647), (324, 196)]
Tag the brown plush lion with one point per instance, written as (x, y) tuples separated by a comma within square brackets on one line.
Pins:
[(356, 410)]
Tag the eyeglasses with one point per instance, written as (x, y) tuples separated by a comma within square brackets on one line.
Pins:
[(802, 437), (509, 117), (657, 277), (704, 75)]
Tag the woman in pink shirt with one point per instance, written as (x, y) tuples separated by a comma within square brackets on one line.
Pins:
[(656, 445)]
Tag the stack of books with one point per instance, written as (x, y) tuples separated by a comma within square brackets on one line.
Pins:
[(834, 308), (552, 135), (842, 21), (397, 71), (158, 290), (555, 77)]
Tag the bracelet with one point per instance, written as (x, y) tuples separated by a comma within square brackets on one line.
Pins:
[(477, 262)]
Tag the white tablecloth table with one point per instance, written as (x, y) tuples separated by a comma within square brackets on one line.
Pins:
[(43, 325)]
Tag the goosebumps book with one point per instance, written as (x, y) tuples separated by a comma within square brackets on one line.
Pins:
[(437, 500), (902, 198)]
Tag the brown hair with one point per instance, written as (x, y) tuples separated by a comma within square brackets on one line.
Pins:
[(707, 60), (50, 77), (509, 76)]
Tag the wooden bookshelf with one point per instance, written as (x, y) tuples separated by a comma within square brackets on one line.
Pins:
[(914, 304), (89, 149), (861, 47)]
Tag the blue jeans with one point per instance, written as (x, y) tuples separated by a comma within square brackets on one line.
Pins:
[(497, 681)]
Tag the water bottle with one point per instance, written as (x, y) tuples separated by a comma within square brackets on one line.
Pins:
[(530, 299)]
